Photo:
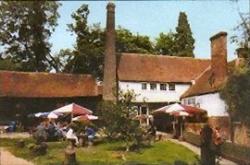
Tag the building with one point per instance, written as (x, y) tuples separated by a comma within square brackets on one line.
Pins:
[(156, 80), (160, 80), (22, 93)]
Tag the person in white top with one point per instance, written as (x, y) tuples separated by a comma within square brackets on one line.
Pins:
[(70, 135)]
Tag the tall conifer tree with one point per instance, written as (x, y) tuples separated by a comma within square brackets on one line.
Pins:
[(184, 41)]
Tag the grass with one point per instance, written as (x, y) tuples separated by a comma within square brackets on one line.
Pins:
[(108, 153)]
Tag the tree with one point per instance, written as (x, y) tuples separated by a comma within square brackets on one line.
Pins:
[(118, 119), (242, 36), (165, 44), (237, 88), (25, 28), (236, 95), (184, 41), (87, 56), (126, 41)]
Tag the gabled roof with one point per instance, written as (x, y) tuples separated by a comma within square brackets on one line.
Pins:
[(159, 68), (207, 83), (39, 84)]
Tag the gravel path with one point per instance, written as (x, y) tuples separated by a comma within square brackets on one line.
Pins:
[(6, 158)]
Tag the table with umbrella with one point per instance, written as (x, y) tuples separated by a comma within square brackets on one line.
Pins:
[(179, 110)]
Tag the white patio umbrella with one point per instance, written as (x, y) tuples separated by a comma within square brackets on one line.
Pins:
[(41, 114), (85, 117), (73, 108), (170, 108), (53, 115)]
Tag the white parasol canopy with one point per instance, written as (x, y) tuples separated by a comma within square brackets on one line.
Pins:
[(52, 115), (170, 108), (85, 117), (74, 109)]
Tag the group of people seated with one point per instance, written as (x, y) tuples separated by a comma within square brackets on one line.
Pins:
[(51, 131)]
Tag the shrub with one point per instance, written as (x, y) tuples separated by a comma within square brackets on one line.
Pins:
[(38, 149)]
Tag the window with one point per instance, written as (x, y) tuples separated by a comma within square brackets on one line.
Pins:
[(144, 110), (153, 86), (163, 87), (171, 86), (144, 86), (191, 101)]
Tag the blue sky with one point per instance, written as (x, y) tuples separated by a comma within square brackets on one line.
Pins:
[(152, 17)]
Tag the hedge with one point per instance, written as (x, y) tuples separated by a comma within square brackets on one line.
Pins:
[(234, 152)]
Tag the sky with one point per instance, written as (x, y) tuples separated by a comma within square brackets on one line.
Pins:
[(150, 18)]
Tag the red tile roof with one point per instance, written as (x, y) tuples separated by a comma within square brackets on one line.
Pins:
[(207, 83), (37, 84), (159, 68)]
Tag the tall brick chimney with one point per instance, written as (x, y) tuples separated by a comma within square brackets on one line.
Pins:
[(219, 55), (110, 78)]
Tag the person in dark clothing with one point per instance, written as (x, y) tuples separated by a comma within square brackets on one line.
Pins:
[(207, 151), (91, 135), (218, 141)]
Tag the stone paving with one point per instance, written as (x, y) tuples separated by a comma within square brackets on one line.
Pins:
[(6, 158)]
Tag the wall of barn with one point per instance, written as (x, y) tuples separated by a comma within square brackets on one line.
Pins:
[(12, 107), (156, 95)]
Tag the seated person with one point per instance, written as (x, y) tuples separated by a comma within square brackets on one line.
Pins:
[(70, 135), (90, 134)]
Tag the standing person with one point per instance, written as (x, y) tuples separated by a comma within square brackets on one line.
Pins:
[(218, 140), (207, 152)]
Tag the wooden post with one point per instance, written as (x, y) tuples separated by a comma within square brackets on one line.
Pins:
[(70, 154)]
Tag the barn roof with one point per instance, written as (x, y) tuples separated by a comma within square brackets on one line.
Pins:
[(40, 84), (159, 68)]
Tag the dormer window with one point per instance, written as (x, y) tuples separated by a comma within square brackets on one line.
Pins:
[(163, 87), (153, 86), (171, 86), (144, 86)]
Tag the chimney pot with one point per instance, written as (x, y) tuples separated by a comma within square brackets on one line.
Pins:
[(216, 36)]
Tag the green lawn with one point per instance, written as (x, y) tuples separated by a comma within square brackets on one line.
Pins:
[(106, 153)]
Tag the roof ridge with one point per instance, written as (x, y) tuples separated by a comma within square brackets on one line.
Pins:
[(45, 73), (202, 73), (164, 56)]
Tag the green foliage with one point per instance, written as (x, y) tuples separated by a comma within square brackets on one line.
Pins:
[(119, 120), (88, 54), (184, 41), (25, 30), (8, 64), (165, 44), (126, 41), (236, 94), (242, 35), (242, 31)]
